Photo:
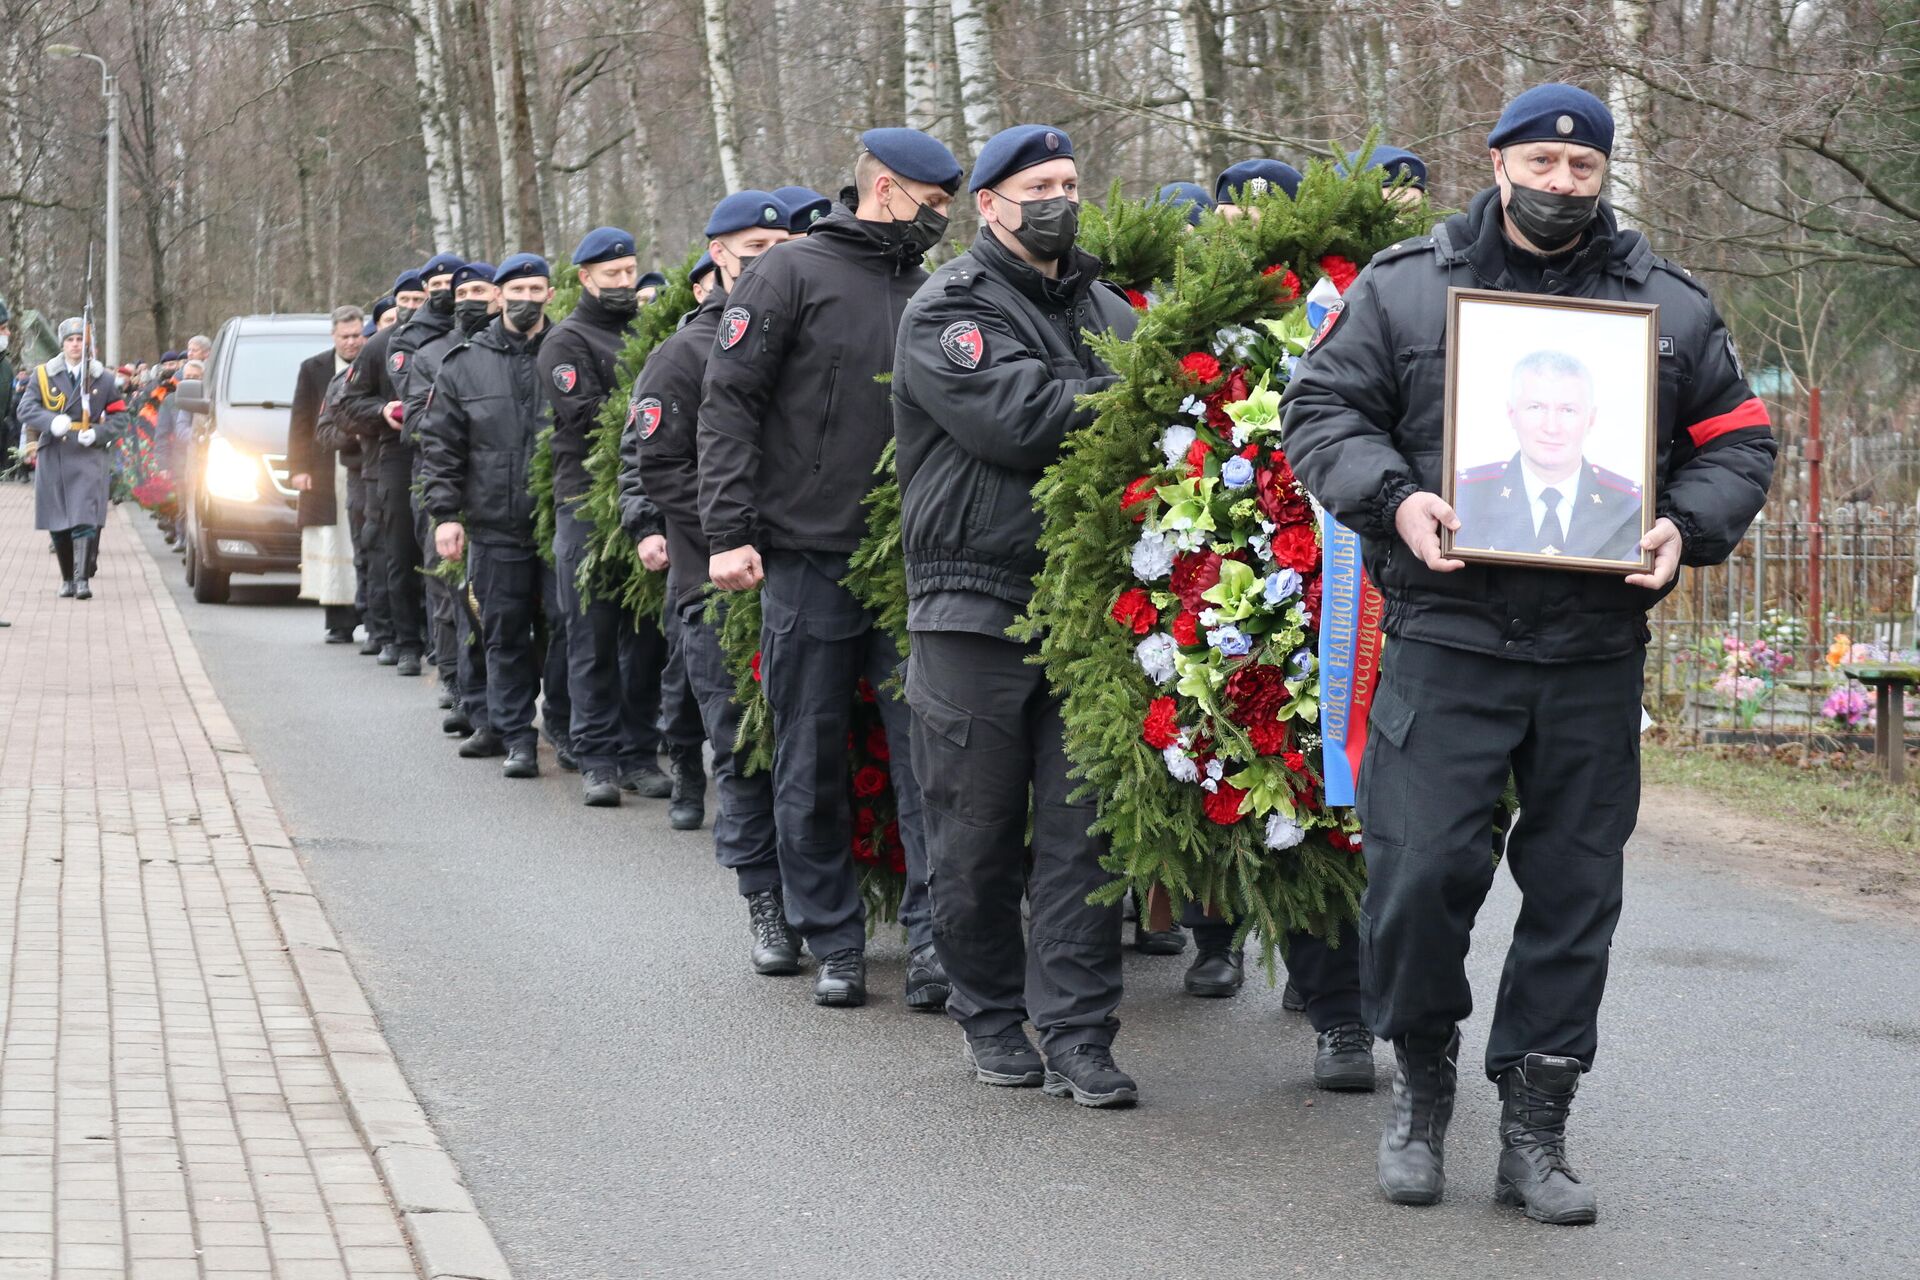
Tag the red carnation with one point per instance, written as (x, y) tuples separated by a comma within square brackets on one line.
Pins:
[(1186, 628), (1197, 454), (1223, 805), (877, 743), (1137, 299), (863, 851), (1339, 270), (1269, 737), (1256, 692), (1160, 728), (1134, 609), (756, 664), (1297, 548), (1289, 283), (869, 781), (1234, 390), (1195, 573), (1200, 366), (1295, 761), (1310, 601), (1139, 493), (1344, 842)]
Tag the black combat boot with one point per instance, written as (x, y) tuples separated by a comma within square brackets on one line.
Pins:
[(1343, 1059), (1534, 1173), (1170, 941), (1291, 1000), (389, 656), (598, 790), (687, 807), (456, 722), (776, 947), (1009, 1061), (1412, 1163), (483, 742), (1216, 971), (647, 779), (63, 552), (927, 983), (521, 762), (843, 979), (1087, 1074), (371, 647), (409, 664), (83, 564)]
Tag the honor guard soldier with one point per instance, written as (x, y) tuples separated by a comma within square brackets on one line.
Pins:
[(1403, 175), (476, 441), (660, 509), (1250, 178), (804, 207), (792, 422), (1493, 670), (457, 650), (374, 400), (700, 279), (70, 411), (1191, 194), (613, 667), (992, 361), (371, 430)]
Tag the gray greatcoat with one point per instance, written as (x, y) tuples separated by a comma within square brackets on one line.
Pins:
[(71, 480)]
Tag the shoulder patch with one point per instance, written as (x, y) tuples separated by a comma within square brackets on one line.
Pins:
[(1335, 310), (964, 344), (646, 412), (565, 377), (734, 323), (397, 361)]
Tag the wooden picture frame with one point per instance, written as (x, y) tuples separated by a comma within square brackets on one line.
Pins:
[(1551, 430)]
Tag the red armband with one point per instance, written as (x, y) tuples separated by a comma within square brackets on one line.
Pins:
[(1748, 413)]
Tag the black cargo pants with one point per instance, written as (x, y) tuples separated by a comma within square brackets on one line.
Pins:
[(615, 704), (986, 728), (743, 833), (1445, 728), (512, 583)]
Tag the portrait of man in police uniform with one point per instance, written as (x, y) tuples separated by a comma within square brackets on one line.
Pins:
[(1548, 498)]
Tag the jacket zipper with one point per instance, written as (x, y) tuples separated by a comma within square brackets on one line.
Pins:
[(826, 417)]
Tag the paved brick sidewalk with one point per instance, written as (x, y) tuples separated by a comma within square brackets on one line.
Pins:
[(191, 1081)]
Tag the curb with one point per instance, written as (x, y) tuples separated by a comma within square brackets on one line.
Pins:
[(449, 1238)]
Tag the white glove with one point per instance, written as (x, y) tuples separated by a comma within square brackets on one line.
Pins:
[(61, 422), (85, 437)]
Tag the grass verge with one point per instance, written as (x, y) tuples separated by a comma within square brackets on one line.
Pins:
[(1836, 793)]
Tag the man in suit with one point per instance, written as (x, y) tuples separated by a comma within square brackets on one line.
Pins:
[(1547, 497), (326, 534)]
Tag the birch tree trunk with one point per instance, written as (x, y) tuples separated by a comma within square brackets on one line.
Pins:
[(642, 154), (443, 201), (500, 63), (979, 77), (920, 70), (1628, 100), (726, 134), (1206, 82)]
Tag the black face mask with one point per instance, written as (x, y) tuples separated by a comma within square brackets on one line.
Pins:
[(402, 315), (440, 302), (733, 277), (523, 314), (622, 301), (1550, 221), (472, 314), (1047, 227), (916, 237)]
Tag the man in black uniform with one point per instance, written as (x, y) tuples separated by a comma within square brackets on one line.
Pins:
[(370, 597), (360, 416), (804, 207), (374, 399), (660, 510), (792, 422), (457, 651), (1492, 669), (1250, 178), (477, 439), (992, 360), (615, 724)]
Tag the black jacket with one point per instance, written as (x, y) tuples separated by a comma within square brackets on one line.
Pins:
[(364, 399), (577, 367), (330, 429), (477, 433), (794, 413), (992, 356), (417, 379), (1365, 410), (318, 504), (660, 447)]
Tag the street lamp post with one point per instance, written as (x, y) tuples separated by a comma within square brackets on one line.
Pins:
[(110, 90)]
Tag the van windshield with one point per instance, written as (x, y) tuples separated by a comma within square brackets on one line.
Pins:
[(262, 370)]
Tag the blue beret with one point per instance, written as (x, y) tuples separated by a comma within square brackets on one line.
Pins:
[(166, 356), (744, 210), (409, 281), (1555, 113), (523, 264), (804, 207), (1235, 178), (1190, 194), (1394, 161), (913, 154), (650, 280), (370, 328), (1021, 147), (468, 272), (603, 244), (380, 307), (700, 268), (441, 264)]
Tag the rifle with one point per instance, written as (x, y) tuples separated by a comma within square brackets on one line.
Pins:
[(89, 354)]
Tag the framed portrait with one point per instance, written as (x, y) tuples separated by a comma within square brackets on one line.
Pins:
[(1552, 406)]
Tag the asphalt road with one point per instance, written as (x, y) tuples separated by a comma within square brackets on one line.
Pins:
[(568, 993)]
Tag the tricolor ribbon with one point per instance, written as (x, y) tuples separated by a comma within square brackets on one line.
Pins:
[(1350, 612)]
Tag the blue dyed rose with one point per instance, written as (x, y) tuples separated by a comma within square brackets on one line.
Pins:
[(1237, 474), (1281, 585), (1230, 641)]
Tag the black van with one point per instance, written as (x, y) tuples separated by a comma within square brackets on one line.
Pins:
[(237, 505)]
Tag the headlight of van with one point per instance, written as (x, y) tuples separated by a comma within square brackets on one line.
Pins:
[(232, 472)]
